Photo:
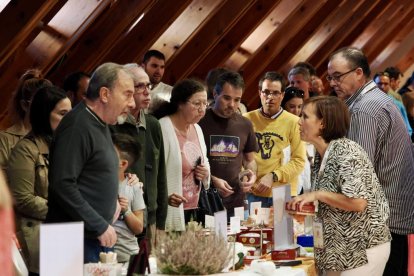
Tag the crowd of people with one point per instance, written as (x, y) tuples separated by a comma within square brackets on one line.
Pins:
[(128, 155)]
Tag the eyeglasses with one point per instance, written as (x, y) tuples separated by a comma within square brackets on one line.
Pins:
[(337, 78), (199, 105), (272, 94), (140, 87)]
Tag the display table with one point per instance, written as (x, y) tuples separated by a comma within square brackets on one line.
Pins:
[(307, 268)]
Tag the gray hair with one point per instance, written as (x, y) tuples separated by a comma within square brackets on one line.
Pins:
[(300, 71), (105, 75)]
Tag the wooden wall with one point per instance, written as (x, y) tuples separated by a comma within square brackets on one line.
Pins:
[(250, 36)]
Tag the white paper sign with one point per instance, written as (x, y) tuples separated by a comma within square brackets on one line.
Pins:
[(209, 221), (283, 223), (239, 212), (263, 215), (220, 223), (61, 249), (254, 209), (234, 225)]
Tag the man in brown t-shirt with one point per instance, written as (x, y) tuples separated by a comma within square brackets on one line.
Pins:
[(231, 142)]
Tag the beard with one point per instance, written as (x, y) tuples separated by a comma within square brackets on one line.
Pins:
[(121, 119)]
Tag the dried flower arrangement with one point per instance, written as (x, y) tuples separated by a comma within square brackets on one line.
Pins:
[(191, 253)]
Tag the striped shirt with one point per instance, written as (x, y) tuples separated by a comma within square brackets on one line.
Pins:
[(377, 125)]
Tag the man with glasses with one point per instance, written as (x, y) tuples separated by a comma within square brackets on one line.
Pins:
[(230, 141), (150, 167), (378, 127), (281, 155)]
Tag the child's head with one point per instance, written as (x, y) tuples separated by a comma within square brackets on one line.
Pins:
[(128, 150)]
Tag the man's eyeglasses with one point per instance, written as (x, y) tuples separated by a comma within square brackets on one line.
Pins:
[(337, 78), (140, 87), (272, 94), (199, 105)]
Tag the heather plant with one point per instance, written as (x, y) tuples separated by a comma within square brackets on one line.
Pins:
[(191, 253)]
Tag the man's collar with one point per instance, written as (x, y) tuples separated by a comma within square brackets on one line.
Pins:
[(140, 123), (362, 90), (272, 116)]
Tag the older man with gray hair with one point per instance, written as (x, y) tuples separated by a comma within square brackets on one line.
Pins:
[(150, 167), (83, 172)]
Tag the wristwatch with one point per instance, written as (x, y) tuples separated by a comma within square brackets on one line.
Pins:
[(275, 179)]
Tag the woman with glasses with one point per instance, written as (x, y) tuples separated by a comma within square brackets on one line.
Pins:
[(185, 151), (351, 236), (28, 169)]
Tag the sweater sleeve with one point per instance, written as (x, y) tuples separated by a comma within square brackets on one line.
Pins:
[(296, 164), (162, 190)]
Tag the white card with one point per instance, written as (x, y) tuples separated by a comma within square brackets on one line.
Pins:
[(263, 216), (209, 221), (234, 225), (239, 212), (283, 223), (254, 208), (61, 249), (220, 223)]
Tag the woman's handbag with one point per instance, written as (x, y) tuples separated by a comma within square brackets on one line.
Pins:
[(208, 203)]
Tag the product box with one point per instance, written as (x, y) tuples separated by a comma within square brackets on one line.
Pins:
[(308, 209)]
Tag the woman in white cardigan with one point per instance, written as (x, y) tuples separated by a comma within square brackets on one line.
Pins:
[(185, 151)]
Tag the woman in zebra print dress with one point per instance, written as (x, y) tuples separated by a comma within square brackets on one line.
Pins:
[(351, 236)]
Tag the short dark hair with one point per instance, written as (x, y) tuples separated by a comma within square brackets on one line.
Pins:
[(71, 81), (355, 57), (230, 77), (334, 114), (27, 86), (153, 53), (307, 65), (393, 72), (127, 146), (273, 76), (43, 103), (290, 93), (211, 79), (105, 75), (181, 92)]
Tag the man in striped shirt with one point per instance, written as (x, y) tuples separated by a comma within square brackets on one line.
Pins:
[(378, 127)]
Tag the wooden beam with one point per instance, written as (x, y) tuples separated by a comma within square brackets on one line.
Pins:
[(21, 18), (350, 12), (140, 39), (400, 18), (406, 61), (217, 25), (347, 33), (283, 43), (235, 37), (92, 46)]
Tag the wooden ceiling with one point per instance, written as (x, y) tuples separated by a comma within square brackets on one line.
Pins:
[(249, 36)]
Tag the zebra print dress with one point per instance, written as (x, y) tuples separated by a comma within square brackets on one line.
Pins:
[(347, 235)]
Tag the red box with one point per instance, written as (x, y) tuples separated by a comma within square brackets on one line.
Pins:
[(287, 254), (307, 209)]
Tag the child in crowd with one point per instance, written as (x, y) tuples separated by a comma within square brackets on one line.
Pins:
[(131, 220)]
